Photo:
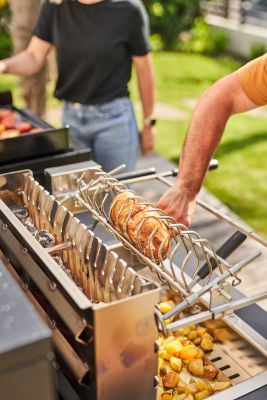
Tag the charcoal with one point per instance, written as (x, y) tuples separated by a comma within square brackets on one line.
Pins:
[(21, 212), (59, 261), (45, 239)]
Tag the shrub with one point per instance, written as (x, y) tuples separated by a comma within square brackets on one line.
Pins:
[(168, 18), (256, 50), (202, 39), (5, 40), (5, 46)]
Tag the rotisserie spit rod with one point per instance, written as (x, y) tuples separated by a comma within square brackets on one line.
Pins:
[(194, 297)]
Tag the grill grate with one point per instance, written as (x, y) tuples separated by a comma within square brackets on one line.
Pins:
[(97, 191)]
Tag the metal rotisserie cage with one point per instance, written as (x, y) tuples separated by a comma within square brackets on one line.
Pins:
[(100, 300)]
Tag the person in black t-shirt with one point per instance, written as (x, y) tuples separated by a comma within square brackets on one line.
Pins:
[(96, 43)]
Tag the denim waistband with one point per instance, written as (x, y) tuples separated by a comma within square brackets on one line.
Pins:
[(79, 106)]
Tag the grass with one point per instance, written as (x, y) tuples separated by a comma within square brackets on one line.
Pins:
[(240, 181)]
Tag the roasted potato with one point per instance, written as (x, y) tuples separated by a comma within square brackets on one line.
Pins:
[(176, 364), (188, 352), (170, 380), (202, 395), (196, 367), (210, 372)]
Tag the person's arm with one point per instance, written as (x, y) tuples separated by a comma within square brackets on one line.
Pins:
[(225, 98), (146, 85), (28, 62)]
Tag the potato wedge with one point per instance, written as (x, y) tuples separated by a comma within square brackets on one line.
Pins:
[(176, 364), (196, 367), (217, 386), (188, 352), (170, 380), (166, 306), (173, 347), (192, 388), (206, 343), (202, 395)]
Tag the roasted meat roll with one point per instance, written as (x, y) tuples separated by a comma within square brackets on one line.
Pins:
[(120, 203), (144, 228)]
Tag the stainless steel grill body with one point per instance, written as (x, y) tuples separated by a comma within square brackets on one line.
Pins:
[(107, 350), (102, 348)]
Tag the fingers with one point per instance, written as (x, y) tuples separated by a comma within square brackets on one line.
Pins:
[(172, 210), (146, 149), (176, 203)]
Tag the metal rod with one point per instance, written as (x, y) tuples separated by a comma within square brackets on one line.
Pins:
[(224, 251), (171, 173), (191, 299), (223, 217), (117, 170), (253, 235), (216, 312), (59, 247)]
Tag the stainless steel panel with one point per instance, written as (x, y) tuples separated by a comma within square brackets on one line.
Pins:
[(125, 360)]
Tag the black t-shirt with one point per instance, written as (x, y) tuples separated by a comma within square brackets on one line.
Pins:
[(94, 44)]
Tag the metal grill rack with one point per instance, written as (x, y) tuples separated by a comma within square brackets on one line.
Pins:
[(97, 190)]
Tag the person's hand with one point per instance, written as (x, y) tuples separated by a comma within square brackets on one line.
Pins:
[(178, 202), (2, 67), (147, 138)]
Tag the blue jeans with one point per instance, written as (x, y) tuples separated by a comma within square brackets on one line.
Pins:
[(109, 129)]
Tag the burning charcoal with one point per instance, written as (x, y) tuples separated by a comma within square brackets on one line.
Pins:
[(21, 212), (45, 239)]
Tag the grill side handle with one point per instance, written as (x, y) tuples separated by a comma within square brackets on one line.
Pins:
[(214, 164), (224, 251), (228, 247), (136, 174), (152, 171)]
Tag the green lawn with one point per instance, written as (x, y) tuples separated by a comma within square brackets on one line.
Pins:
[(241, 180)]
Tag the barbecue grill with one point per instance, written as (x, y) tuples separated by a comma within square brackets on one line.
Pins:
[(99, 294)]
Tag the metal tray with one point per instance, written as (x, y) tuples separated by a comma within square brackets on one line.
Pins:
[(33, 145)]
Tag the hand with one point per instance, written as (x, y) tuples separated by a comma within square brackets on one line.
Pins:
[(147, 139), (2, 67), (178, 202)]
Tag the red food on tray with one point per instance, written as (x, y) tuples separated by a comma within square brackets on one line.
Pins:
[(5, 112), (9, 121), (24, 127), (12, 124)]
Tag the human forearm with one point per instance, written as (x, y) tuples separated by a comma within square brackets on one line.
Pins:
[(147, 94), (146, 84), (23, 64), (203, 137), (223, 99), (29, 61), (214, 108)]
